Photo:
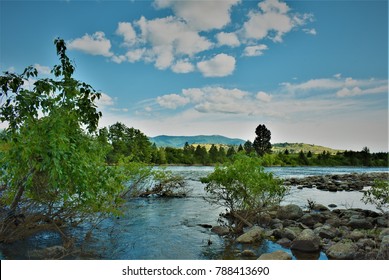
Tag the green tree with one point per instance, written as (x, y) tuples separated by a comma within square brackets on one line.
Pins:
[(378, 195), (262, 141), (243, 185), (213, 154), (248, 147), (51, 166)]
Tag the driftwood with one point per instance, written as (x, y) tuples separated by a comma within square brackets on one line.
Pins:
[(243, 220)]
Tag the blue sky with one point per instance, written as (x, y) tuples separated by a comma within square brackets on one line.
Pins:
[(311, 71)]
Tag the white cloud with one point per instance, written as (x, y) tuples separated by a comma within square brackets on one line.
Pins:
[(45, 70), (263, 96), (183, 66), (254, 50), (172, 101), (118, 58), (227, 39), (201, 15), (105, 100), (95, 44), (126, 30), (311, 31), (220, 65), (274, 21), (344, 92), (135, 55)]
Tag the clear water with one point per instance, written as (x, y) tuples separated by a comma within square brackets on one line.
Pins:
[(163, 228)]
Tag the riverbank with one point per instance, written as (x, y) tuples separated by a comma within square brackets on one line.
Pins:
[(305, 233)]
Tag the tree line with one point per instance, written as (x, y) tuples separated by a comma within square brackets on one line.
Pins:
[(132, 143)]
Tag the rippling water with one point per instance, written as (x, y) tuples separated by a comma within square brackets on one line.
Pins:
[(169, 228)]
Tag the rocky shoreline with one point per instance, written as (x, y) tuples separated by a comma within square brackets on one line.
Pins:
[(337, 182), (342, 234)]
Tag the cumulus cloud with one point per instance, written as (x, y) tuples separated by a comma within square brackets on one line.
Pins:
[(254, 50), (220, 65), (126, 30), (273, 21), (201, 15), (95, 44), (172, 101), (227, 39), (183, 66), (263, 96)]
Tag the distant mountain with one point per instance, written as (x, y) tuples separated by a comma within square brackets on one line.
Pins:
[(179, 141)]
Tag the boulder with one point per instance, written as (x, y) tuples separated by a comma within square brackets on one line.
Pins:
[(306, 241), (220, 230), (310, 219), (327, 231), (360, 223), (290, 212), (319, 207), (284, 242), (342, 251), (255, 234), (277, 255), (382, 222), (355, 235), (289, 234)]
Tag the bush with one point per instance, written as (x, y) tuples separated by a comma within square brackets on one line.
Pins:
[(244, 185), (378, 195)]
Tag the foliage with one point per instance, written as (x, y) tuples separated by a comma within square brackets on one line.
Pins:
[(243, 185), (262, 140), (50, 164), (378, 195)]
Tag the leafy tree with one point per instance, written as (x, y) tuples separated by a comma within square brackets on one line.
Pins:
[(243, 185), (51, 165), (248, 147), (262, 141)]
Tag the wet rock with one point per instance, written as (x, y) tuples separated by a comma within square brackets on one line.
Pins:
[(332, 205), (306, 241), (219, 230), (255, 234), (277, 255), (319, 207), (382, 222), (342, 251), (290, 212)]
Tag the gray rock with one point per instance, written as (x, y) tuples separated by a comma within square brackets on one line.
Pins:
[(332, 205), (288, 233), (306, 241), (290, 212), (310, 219), (277, 255), (366, 243), (355, 235), (342, 251), (220, 230), (320, 207), (382, 222), (327, 231), (264, 219), (360, 223), (255, 234)]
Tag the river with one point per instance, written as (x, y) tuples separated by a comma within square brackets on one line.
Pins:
[(170, 228)]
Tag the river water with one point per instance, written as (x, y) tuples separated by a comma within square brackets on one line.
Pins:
[(171, 228)]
